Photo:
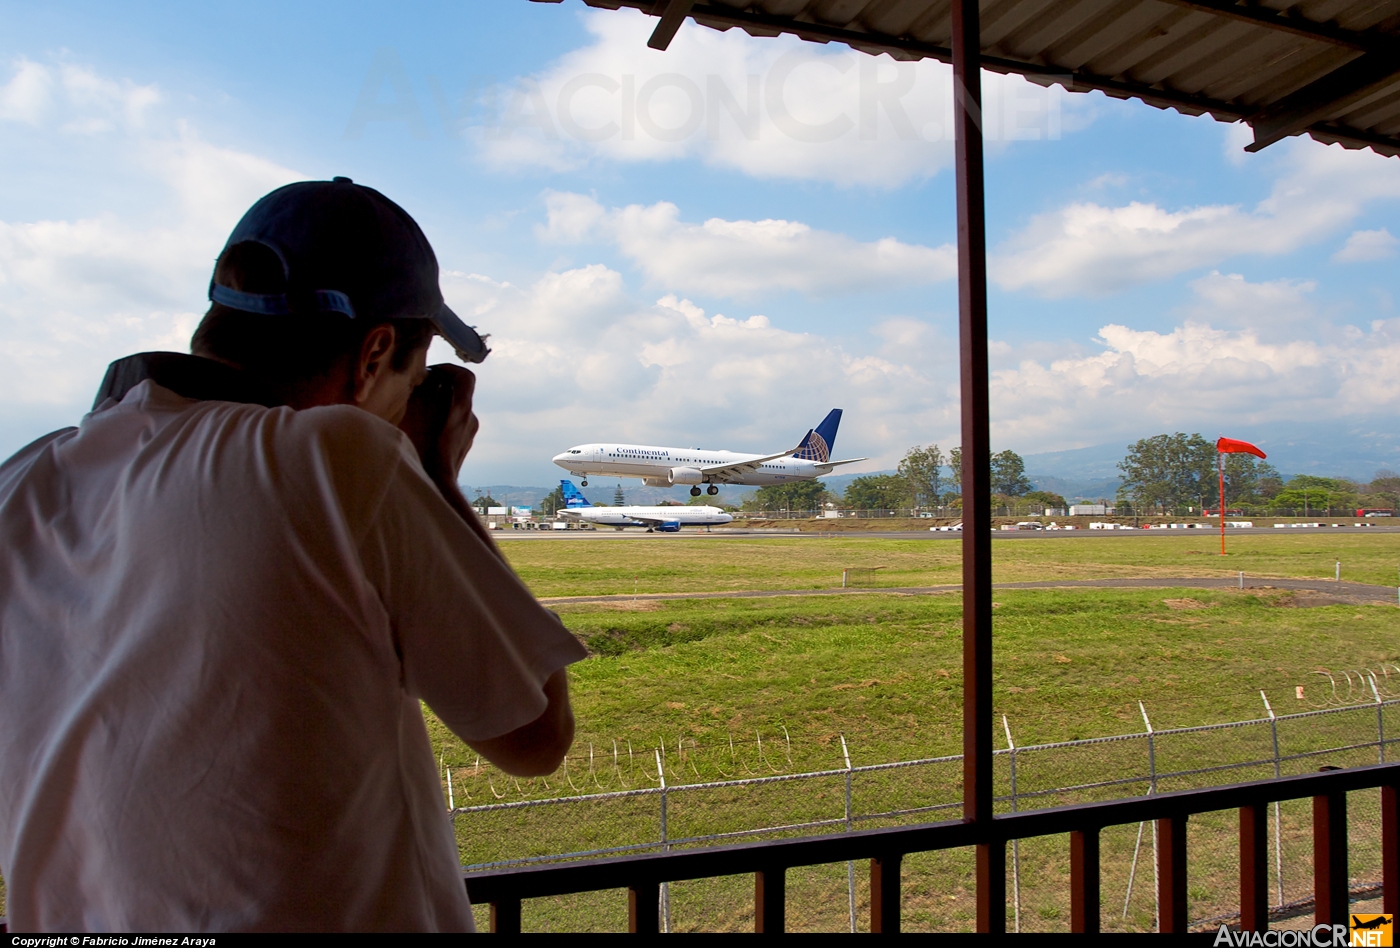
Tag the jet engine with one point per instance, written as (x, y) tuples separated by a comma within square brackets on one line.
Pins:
[(656, 482), (685, 475)]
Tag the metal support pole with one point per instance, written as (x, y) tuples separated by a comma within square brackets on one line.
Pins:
[(1171, 875), (1278, 813), (850, 865), (1330, 884), (505, 917), (884, 894), (1015, 843), (976, 445), (991, 887), (1390, 850), (1084, 881), (664, 890), (643, 909), (1254, 868), (769, 900)]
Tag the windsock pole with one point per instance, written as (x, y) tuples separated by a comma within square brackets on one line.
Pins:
[(1220, 456)]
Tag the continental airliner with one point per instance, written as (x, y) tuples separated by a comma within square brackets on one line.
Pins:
[(664, 519), (665, 467)]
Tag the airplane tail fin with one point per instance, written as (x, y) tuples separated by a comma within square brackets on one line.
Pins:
[(572, 497), (821, 440)]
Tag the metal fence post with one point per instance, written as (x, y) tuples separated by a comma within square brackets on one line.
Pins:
[(1278, 813), (1381, 721), (665, 847), (1015, 843), (1151, 788), (850, 865)]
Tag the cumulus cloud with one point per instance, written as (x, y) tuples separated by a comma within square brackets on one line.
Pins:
[(1365, 245), (1087, 248), (771, 108), (78, 292), (577, 357), (742, 258), (26, 96), (1199, 373)]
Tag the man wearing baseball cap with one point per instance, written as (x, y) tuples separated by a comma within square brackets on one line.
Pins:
[(224, 595)]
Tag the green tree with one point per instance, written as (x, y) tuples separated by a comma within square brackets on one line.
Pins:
[(877, 492), (1009, 474), (1246, 478), (483, 501), (553, 502), (1309, 493), (1168, 470), (1045, 498), (922, 470), (955, 465), (618, 499), (798, 495)]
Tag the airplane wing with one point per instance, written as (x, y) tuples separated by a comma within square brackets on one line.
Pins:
[(723, 473), (847, 461)]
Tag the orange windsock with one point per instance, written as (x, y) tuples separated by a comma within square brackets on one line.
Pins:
[(1231, 446)]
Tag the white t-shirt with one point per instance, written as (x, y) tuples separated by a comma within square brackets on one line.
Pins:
[(216, 623)]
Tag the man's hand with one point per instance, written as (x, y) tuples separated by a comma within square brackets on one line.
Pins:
[(440, 421), (536, 749)]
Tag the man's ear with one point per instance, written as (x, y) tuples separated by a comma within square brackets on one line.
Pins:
[(374, 362)]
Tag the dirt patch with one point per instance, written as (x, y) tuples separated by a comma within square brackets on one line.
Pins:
[(1186, 604), (630, 605), (1308, 599)]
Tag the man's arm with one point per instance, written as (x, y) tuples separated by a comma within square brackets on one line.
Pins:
[(442, 426), (536, 749)]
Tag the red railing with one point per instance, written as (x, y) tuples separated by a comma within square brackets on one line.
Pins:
[(642, 876)]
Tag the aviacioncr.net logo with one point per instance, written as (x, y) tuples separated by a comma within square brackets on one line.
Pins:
[(1319, 936)]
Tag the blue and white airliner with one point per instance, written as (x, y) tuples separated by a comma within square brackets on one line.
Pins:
[(663, 519), (664, 467)]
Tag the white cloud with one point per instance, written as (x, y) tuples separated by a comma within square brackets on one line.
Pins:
[(578, 358), (26, 96), (1202, 375), (1090, 249), (744, 258), (1364, 245), (771, 108), (76, 293)]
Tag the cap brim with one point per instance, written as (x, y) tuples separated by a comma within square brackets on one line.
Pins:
[(468, 343)]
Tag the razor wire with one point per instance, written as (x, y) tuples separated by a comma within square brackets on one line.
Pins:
[(668, 814)]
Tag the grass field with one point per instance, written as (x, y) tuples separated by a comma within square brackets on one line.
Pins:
[(594, 567), (884, 670)]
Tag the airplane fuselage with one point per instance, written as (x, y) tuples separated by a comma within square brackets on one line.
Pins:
[(663, 466), (647, 516)]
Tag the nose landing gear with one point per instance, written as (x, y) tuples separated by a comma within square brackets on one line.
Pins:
[(583, 483)]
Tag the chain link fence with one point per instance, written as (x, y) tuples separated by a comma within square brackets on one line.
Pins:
[(628, 801)]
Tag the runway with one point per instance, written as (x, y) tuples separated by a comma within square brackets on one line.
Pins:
[(633, 533), (1330, 592)]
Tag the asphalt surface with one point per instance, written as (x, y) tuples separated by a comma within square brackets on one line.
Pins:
[(731, 532), (1333, 592)]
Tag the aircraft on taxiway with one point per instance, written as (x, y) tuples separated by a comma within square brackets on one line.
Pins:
[(665, 519), (664, 467)]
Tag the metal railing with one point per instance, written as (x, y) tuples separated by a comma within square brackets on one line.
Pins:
[(1142, 763)]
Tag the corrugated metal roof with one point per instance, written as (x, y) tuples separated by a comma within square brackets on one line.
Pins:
[(1328, 68)]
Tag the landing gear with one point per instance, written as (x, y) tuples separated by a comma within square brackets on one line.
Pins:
[(583, 483), (695, 492), (712, 490)]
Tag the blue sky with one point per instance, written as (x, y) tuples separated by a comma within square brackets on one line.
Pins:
[(652, 268)]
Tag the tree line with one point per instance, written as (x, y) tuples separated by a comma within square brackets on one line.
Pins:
[(1170, 472), (920, 483)]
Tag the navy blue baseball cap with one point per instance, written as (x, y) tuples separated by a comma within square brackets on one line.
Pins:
[(346, 248)]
